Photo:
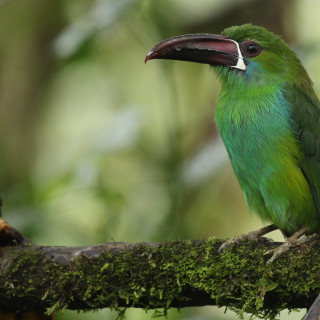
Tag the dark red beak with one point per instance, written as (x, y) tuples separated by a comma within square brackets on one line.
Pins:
[(203, 48)]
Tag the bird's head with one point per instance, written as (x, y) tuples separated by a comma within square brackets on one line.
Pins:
[(245, 53)]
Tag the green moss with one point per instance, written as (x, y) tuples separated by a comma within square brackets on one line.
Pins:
[(166, 275)]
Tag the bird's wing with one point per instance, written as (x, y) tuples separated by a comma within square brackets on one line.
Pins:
[(306, 125)]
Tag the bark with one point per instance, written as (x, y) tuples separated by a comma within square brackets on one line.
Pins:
[(158, 275)]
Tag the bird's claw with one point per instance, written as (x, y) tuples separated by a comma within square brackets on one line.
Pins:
[(242, 237), (251, 236), (295, 240), (277, 252)]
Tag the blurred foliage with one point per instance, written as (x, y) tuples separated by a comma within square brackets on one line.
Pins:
[(96, 146)]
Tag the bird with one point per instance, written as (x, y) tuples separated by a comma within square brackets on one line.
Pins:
[(268, 116)]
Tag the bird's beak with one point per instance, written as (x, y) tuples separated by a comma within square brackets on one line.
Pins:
[(203, 48)]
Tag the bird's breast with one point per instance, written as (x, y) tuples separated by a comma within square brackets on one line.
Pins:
[(257, 132)]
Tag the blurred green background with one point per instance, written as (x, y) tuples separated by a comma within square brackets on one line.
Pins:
[(97, 147)]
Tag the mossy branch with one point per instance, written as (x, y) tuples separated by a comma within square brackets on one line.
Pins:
[(158, 275)]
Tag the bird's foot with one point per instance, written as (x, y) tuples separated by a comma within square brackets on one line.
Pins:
[(9, 236), (296, 239), (253, 235)]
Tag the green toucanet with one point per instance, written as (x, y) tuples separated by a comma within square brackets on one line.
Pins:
[(268, 116)]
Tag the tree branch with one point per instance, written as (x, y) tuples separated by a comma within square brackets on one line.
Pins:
[(158, 275)]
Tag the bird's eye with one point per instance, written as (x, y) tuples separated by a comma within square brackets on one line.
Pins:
[(250, 49)]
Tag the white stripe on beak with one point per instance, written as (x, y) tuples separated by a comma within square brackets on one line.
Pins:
[(240, 64)]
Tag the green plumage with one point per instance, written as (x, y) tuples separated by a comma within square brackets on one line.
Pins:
[(269, 120)]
